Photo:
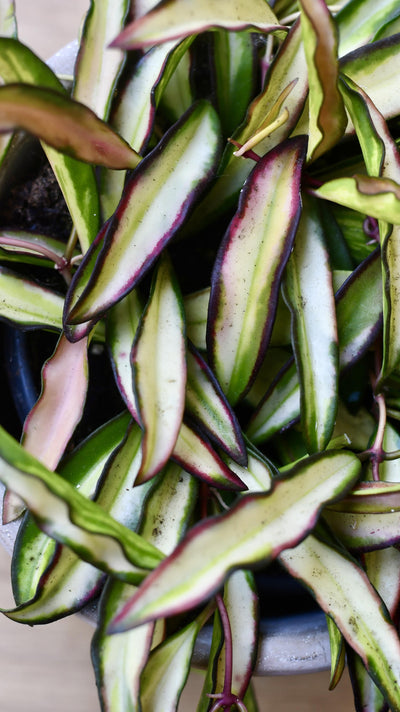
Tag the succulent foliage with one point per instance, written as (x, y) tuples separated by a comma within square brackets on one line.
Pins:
[(232, 175)]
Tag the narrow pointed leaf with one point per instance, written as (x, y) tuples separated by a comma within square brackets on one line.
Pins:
[(309, 293), (196, 309), (359, 310), (167, 669), (338, 653), (365, 116), (179, 18), (77, 286), (259, 473), (28, 303), (159, 367), (256, 529), (343, 590), (191, 451), (68, 583), (377, 197), (367, 696), (380, 567), (63, 124), (134, 110), (33, 549), (76, 179), (327, 117), (72, 583), (234, 60), (206, 403), (241, 604), (72, 519), (374, 68), (52, 421), (195, 454), (177, 94), (359, 320), (384, 161), (97, 66), (280, 406), (169, 508), (359, 21), (118, 660), (122, 324), (287, 71), (249, 267), (157, 199)]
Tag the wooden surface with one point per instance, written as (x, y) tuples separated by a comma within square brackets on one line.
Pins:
[(48, 668)]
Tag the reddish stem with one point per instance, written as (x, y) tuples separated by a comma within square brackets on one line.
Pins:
[(226, 699)]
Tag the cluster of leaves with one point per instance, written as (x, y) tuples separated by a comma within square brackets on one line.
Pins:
[(233, 179)]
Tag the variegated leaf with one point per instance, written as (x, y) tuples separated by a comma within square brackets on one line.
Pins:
[(179, 18), (241, 603), (382, 158), (256, 529), (76, 179), (327, 117), (27, 303), (234, 62), (134, 109), (97, 66), (373, 67), (195, 454), (122, 324), (344, 592), (309, 293), (359, 319), (377, 197), (65, 587), (63, 124), (72, 519), (119, 660), (162, 190), (159, 368), (167, 669), (33, 549), (206, 403), (358, 21), (52, 421), (286, 87), (249, 267)]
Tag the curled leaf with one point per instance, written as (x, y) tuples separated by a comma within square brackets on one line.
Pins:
[(256, 529), (63, 124), (180, 18)]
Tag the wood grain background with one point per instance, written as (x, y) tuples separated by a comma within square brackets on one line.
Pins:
[(48, 668)]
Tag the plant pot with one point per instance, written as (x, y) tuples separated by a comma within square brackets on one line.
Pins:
[(289, 644)]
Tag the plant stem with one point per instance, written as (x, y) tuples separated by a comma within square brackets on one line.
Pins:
[(226, 699), (69, 250)]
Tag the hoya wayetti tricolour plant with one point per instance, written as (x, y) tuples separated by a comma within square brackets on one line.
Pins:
[(231, 176)]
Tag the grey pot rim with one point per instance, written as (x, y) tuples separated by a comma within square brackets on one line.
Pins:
[(295, 644)]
